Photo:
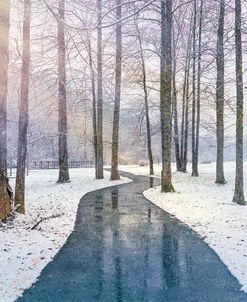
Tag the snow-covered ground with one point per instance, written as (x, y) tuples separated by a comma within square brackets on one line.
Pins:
[(24, 252), (208, 209), (199, 202)]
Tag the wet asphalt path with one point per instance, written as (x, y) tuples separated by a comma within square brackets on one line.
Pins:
[(126, 249)]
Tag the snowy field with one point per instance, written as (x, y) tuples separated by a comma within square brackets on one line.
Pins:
[(25, 252), (208, 209), (199, 202)]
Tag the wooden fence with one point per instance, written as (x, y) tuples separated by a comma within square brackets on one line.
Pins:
[(42, 165)]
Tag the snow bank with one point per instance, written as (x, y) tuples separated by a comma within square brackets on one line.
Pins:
[(208, 209), (24, 252)]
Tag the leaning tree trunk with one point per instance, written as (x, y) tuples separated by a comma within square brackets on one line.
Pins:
[(100, 160), (220, 96), (239, 179), (118, 75), (23, 112), (193, 138), (145, 90), (62, 101), (5, 206), (165, 94)]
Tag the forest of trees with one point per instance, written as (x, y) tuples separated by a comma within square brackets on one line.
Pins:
[(175, 68)]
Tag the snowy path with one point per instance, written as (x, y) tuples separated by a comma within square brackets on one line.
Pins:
[(124, 248), (25, 252), (208, 209)]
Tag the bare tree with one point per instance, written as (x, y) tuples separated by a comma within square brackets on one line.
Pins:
[(23, 112), (193, 140), (220, 97), (4, 61), (118, 78), (100, 159), (239, 178), (185, 108), (94, 103), (146, 105), (175, 108), (165, 94), (62, 99), (198, 104)]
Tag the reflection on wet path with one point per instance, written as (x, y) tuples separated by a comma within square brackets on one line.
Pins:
[(124, 248)]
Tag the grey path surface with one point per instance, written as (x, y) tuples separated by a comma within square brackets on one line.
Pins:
[(124, 248)]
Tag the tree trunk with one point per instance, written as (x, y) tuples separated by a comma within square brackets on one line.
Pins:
[(175, 121), (5, 206), (62, 101), (194, 160), (100, 160), (220, 97), (175, 111), (144, 83), (23, 112), (186, 125), (94, 103), (165, 94), (185, 109), (185, 119), (198, 117), (118, 75), (239, 179), (149, 138)]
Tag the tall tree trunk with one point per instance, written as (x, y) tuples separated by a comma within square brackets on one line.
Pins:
[(220, 97), (175, 121), (23, 112), (94, 101), (175, 111), (193, 139), (186, 127), (239, 179), (100, 159), (5, 207), (144, 83), (118, 75), (199, 70), (185, 109), (183, 117), (165, 94), (62, 99)]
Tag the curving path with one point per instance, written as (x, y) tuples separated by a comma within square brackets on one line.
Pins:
[(124, 248)]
